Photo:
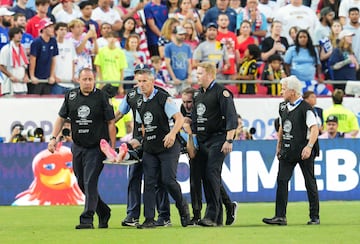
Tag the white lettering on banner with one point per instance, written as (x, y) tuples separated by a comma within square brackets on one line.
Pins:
[(341, 172), (233, 176), (257, 171)]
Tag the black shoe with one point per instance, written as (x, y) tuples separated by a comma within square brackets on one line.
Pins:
[(103, 221), (207, 222), (184, 215), (84, 226), (148, 223), (314, 221), (134, 155), (132, 222), (194, 221), (163, 222), (275, 221), (231, 213)]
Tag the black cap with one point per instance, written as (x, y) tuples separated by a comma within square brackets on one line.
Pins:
[(142, 67), (332, 118), (211, 24)]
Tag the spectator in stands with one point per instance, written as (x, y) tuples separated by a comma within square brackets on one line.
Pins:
[(172, 6), (348, 123), (274, 71), (191, 37), (105, 13), (167, 31), (222, 6), (310, 98), (275, 43), (65, 61), (43, 52), (86, 8), (5, 23), (133, 58), (343, 61), (83, 46), (292, 34), (268, 8), (236, 5), (296, 14), (248, 69), (13, 65), (16, 135), (105, 29), (186, 12), (178, 57), (67, 13), (204, 7), (126, 11), (336, 28), (242, 133), (32, 26), (20, 8), (126, 30), (244, 38), (156, 70), (302, 59), (229, 40), (345, 6), (110, 63), (65, 134), (333, 4), (211, 50), (332, 129), (156, 14), (255, 17), (27, 39), (354, 26)]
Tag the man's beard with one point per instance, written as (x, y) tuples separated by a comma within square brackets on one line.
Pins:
[(6, 23), (125, 5), (354, 22)]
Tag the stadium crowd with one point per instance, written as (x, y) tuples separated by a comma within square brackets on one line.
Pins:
[(45, 45)]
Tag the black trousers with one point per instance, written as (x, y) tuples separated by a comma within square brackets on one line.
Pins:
[(134, 195), (285, 172), (196, 177), (212, 159), (87, 164), (163, 167)]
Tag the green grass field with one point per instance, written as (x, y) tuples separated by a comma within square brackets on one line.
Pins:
[(340, 223)]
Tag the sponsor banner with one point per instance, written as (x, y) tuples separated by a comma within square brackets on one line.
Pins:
[(29, 175), (258, 113)]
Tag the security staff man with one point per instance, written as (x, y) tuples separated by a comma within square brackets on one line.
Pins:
[(133, 101), (186, 108), (161, 147), (216, 122), (92, 118), (297, 143)]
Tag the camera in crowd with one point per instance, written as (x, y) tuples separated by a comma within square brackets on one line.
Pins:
[(20, 134)]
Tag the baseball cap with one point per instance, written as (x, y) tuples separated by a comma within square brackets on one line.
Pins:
[(45, 22), (332, 118), (325, 11), (344, 33), (211, 24), (179, 30), (5, 12), (142, 67)]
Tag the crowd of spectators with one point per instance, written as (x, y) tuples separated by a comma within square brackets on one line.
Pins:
[(247, 40)]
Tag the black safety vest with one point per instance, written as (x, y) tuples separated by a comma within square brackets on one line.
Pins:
[(134, 99), (156, 123), (88, 115)]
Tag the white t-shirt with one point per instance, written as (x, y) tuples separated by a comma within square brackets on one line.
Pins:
[(303, 17), (344, 7), (8, 87), (110, 16), (64, 63), (65, 17)]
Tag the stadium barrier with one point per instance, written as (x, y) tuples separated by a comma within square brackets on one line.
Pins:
[(29, 174)]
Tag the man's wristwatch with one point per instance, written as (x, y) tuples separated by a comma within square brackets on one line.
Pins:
[(310, 145), (229, 141), (53, 138)]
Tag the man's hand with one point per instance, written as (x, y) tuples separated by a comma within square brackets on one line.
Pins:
[(52, 145), (169, 140), (306, 152), (227, 147)]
